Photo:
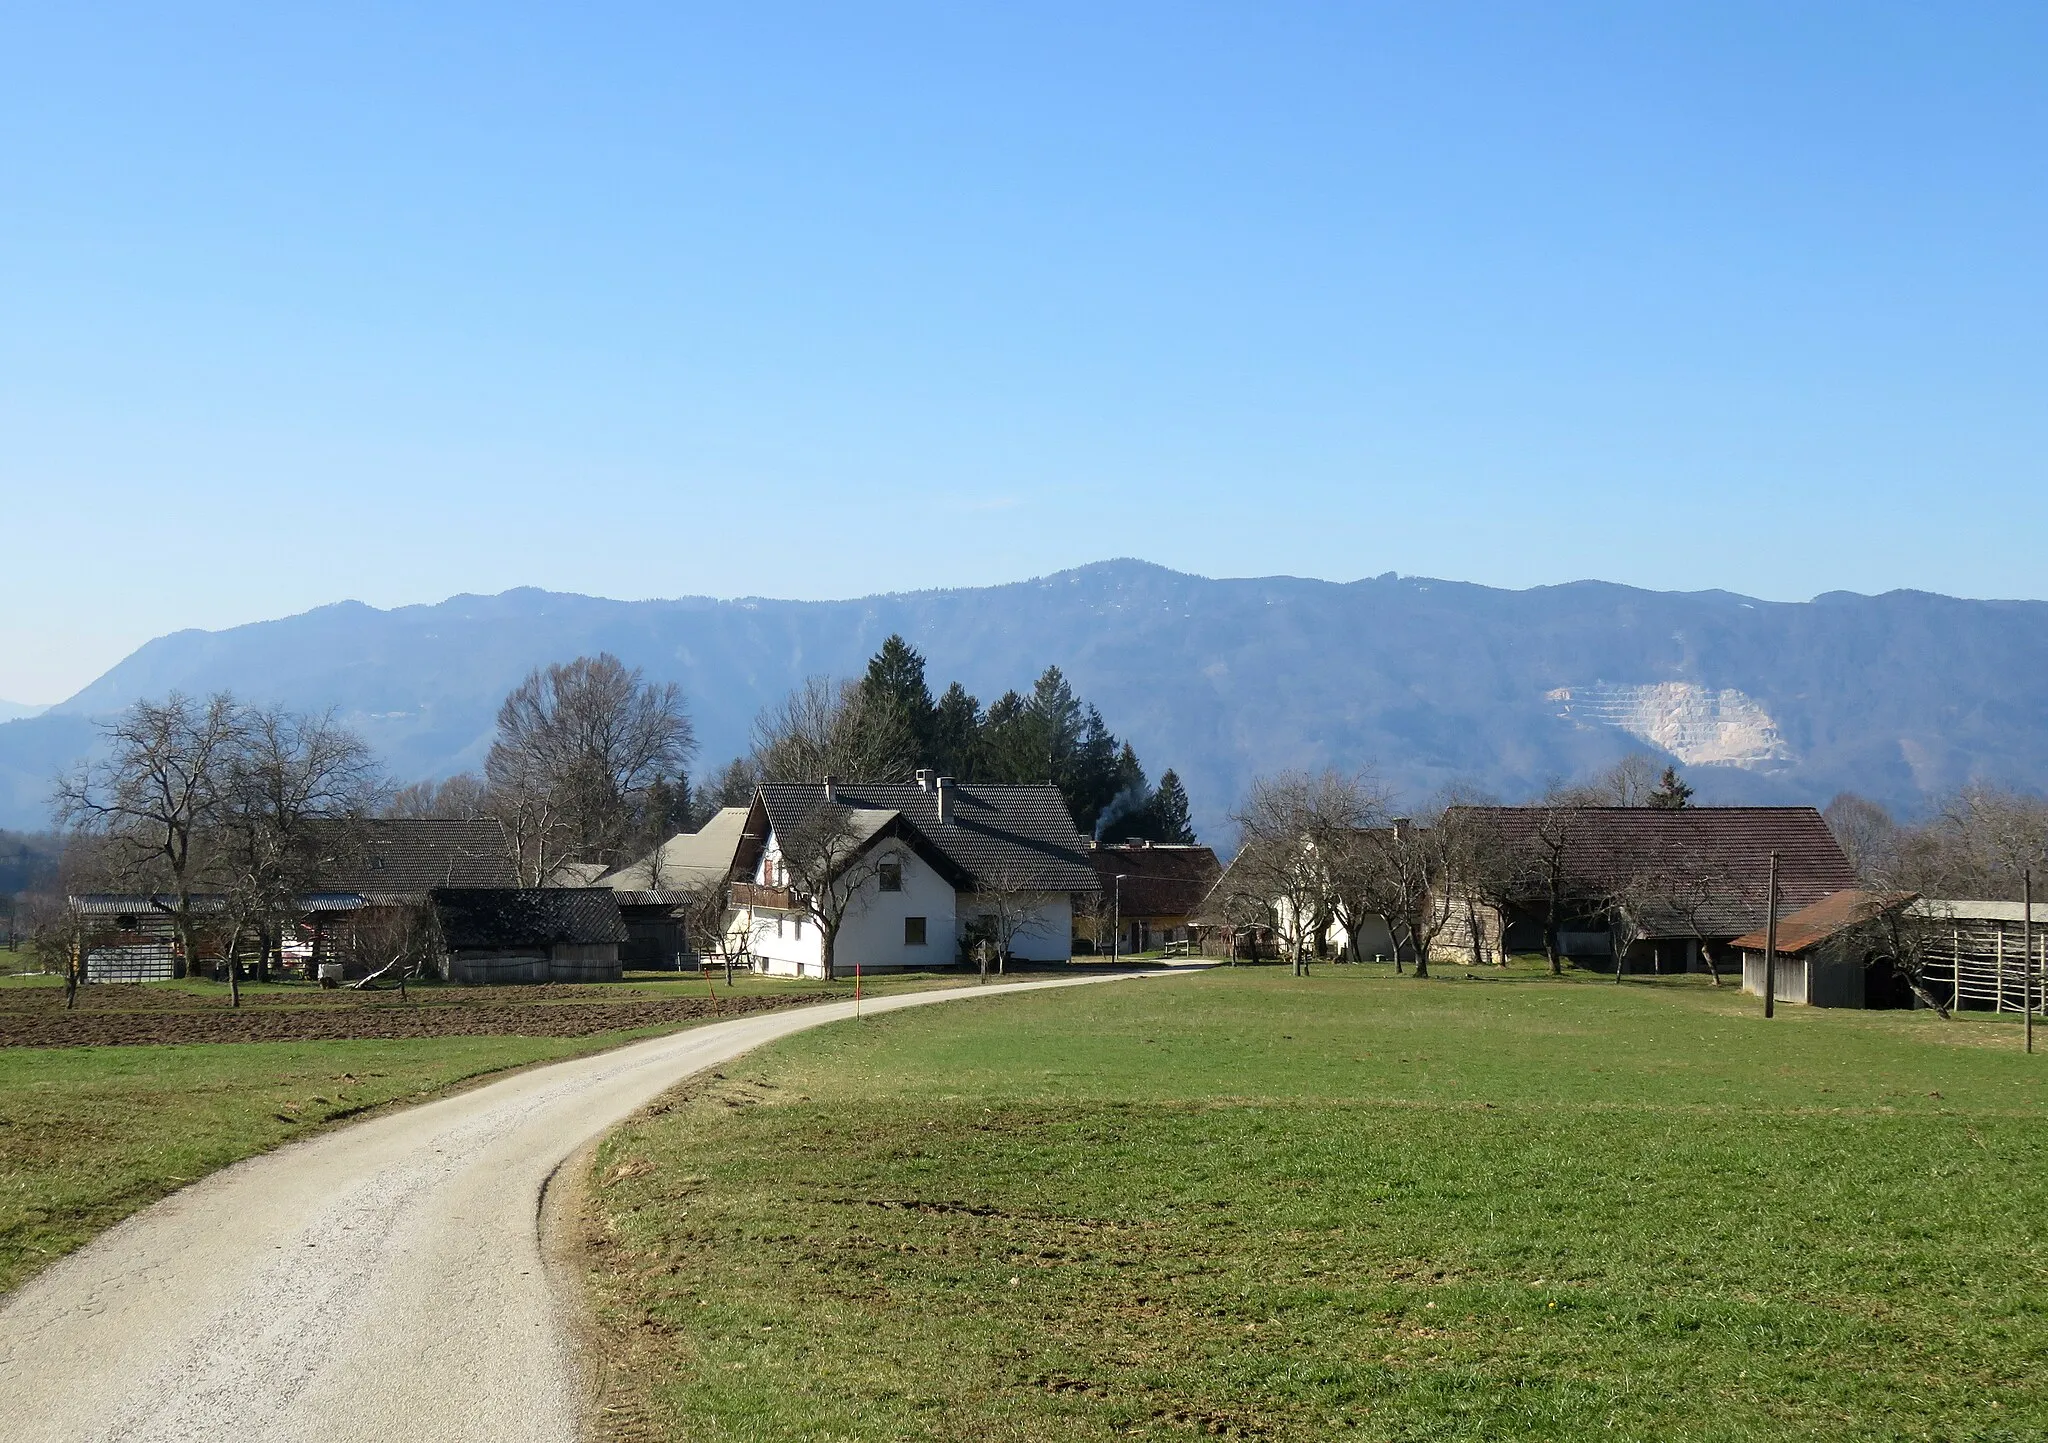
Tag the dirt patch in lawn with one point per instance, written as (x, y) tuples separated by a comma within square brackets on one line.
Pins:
[(334, 1017)]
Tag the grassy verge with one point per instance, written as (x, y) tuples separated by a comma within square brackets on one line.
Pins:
[(1248, 1205)]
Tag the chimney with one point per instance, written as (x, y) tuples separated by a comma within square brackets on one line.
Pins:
[(831, 787), (1400, 829), (946, 786), (924, 779)]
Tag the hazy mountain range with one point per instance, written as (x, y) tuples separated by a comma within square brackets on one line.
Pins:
[(1898, 696)]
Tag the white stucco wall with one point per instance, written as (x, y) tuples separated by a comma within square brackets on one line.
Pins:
[(1046, 936), (870, 934)]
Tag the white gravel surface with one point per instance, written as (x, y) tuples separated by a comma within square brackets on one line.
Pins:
[(380, 1282)]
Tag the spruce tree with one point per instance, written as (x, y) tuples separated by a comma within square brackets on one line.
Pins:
[(901, 699), (955, 749), (1169, 811), (1671, 793)]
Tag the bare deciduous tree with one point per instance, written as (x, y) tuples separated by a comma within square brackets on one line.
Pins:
[(400, 943), (1634, 781), (153, 799), (827, 729), (576, 745), (1291, 826), (462, 797), (293, 802), (1405, 873)]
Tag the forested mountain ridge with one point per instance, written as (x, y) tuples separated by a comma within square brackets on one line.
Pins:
[(1898, 696)]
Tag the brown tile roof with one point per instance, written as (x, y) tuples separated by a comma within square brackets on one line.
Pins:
[(1024, 834), (1159, 881), (1807, 928), (1606, 846)]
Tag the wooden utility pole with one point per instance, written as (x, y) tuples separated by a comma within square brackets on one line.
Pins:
[(2027, 947), (1771, 943)]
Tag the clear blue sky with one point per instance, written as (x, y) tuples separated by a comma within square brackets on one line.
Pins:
[(823, 300)]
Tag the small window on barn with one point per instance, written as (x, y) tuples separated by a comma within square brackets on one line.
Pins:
[(891, 875), (913, 931), (125, 923)]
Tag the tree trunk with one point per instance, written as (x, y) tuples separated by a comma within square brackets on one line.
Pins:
[(827, 936), (1550, 950), (1707, 956), (74, 970), (233, 950), (1421, 952), (1472, 931)]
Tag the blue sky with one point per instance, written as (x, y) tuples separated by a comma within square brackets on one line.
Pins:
[(824, 300)]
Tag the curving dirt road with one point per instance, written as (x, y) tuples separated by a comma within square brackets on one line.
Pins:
[(381, 1282)]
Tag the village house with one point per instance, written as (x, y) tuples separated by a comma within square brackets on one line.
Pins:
[(924, 865), (1151, 891)]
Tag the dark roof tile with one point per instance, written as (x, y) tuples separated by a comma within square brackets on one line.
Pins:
[(1023, 835)]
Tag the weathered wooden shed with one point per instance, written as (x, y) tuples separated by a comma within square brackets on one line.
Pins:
[(528, 934)]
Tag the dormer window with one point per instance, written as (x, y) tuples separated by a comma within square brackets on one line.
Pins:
[(889, 876)]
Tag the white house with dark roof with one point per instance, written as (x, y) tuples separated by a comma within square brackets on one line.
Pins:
[(932, 856)]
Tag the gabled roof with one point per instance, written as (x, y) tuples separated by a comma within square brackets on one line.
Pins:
[(688, 859), (1016, 837), (478, 919), (416, 854), (1159, 880), (1808, 927), (1604, 847)]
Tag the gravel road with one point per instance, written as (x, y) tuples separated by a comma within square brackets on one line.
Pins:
[(381, 1282)]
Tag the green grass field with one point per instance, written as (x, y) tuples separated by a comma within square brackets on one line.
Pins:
[(1247, 1205)]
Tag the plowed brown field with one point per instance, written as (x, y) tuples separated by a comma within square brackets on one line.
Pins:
[(132, 1016)]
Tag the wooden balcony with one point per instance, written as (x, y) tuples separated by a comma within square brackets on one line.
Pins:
[(752, 894)]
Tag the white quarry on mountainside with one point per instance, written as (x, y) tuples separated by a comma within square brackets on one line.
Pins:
[(1698, 725)]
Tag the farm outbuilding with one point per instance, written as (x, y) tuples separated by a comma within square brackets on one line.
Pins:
[(1828, 953), (528, 934)]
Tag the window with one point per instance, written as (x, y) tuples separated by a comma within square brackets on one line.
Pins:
[(913, 931), (890, 876)]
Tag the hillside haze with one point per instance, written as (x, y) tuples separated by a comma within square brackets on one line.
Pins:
[(1433, 683)]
